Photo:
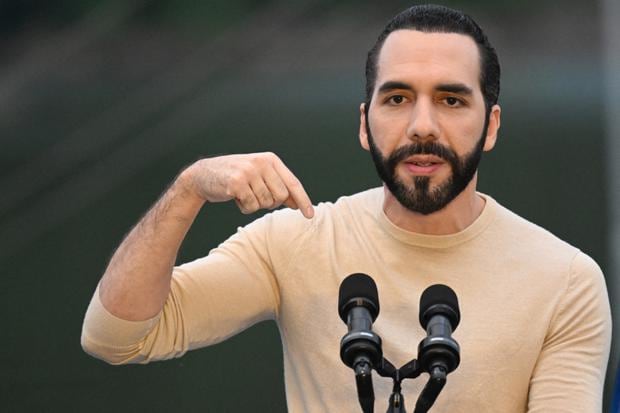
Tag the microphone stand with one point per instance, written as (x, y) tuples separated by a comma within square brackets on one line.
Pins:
[(363, 381), (412, 370), (396, 402), (429, 394)]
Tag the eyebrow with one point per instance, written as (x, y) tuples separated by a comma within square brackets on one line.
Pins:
[(394, 85), (457, 88)]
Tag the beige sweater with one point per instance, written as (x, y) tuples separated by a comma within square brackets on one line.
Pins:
[(535, 321)]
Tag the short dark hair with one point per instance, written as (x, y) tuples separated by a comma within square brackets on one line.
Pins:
[(430, 18)]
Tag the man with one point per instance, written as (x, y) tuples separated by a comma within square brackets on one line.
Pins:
[(535, 329)]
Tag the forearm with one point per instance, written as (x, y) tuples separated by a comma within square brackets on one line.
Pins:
[(137, 281)]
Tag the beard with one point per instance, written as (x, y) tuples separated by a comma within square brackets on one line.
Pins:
[(418, 196)]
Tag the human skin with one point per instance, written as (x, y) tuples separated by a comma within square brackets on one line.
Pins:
[(428, 88), (136, 282)]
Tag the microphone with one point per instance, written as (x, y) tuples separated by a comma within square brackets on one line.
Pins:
[(360, 348), (438, 353)]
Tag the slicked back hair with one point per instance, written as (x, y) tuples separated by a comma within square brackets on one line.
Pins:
[(430, 18)]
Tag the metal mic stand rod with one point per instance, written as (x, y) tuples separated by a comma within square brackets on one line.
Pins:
[(397, 400), (430, 392), (363, 381)]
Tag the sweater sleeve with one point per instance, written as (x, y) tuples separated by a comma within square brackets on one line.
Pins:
[(570, 372), (210, 300)]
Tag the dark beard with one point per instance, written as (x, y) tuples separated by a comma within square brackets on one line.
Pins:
[(419, 197)]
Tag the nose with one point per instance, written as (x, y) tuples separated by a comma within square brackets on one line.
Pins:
[(423, 124)]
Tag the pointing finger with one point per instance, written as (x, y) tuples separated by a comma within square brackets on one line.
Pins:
[(296, 191)]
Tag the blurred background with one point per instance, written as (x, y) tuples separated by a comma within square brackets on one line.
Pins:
[(103, 102)]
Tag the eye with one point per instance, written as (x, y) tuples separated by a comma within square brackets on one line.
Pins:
[(453, 101), (396, 99)]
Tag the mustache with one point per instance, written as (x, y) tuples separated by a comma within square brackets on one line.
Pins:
[(425, 148)]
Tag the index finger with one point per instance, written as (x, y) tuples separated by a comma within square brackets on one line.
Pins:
[(295, 189)]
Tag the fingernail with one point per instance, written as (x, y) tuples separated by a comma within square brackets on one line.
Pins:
[(310, 212)]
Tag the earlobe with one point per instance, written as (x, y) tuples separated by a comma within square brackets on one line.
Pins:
[(493, 128), (363, 134)]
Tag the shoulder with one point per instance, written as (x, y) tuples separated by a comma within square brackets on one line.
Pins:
[(520, 234), (289, 225), (531, 246), (570, 278), (365, 203), (586, 278), (355, 206)]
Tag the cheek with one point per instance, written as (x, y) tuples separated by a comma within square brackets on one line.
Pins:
[(387, 131), (464, 132)]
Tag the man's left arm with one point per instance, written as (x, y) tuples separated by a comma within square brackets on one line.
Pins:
[(569, 375)]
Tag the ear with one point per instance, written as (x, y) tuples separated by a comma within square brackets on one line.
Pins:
[(493, 128), (363, 133)]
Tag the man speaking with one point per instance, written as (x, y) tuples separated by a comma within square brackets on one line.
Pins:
[(535, 323)]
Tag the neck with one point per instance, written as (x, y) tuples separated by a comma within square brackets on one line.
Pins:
[(453, 218)]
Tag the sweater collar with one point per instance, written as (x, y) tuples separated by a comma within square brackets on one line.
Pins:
[(440, 241)]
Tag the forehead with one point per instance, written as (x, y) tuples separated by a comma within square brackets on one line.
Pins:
[(429, 58)]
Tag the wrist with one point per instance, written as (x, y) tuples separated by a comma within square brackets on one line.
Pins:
[(185, 186)]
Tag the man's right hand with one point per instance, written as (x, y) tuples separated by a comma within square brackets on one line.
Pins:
[(255, 181), (137, 281)]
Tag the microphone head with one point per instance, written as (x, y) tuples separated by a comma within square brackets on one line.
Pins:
[(439, 299), (358, 290)]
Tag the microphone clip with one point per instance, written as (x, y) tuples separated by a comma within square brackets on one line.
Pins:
[(412, 370)]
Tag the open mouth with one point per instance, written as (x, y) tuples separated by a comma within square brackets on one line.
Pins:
[(423, 164)]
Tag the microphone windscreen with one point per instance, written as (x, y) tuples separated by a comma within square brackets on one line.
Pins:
[(358, 289), (439, 299)]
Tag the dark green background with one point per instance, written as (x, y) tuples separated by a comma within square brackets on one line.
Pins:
[(103, 102)]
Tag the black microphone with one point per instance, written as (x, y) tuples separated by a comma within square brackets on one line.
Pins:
[(438, 353), (360, 348)]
